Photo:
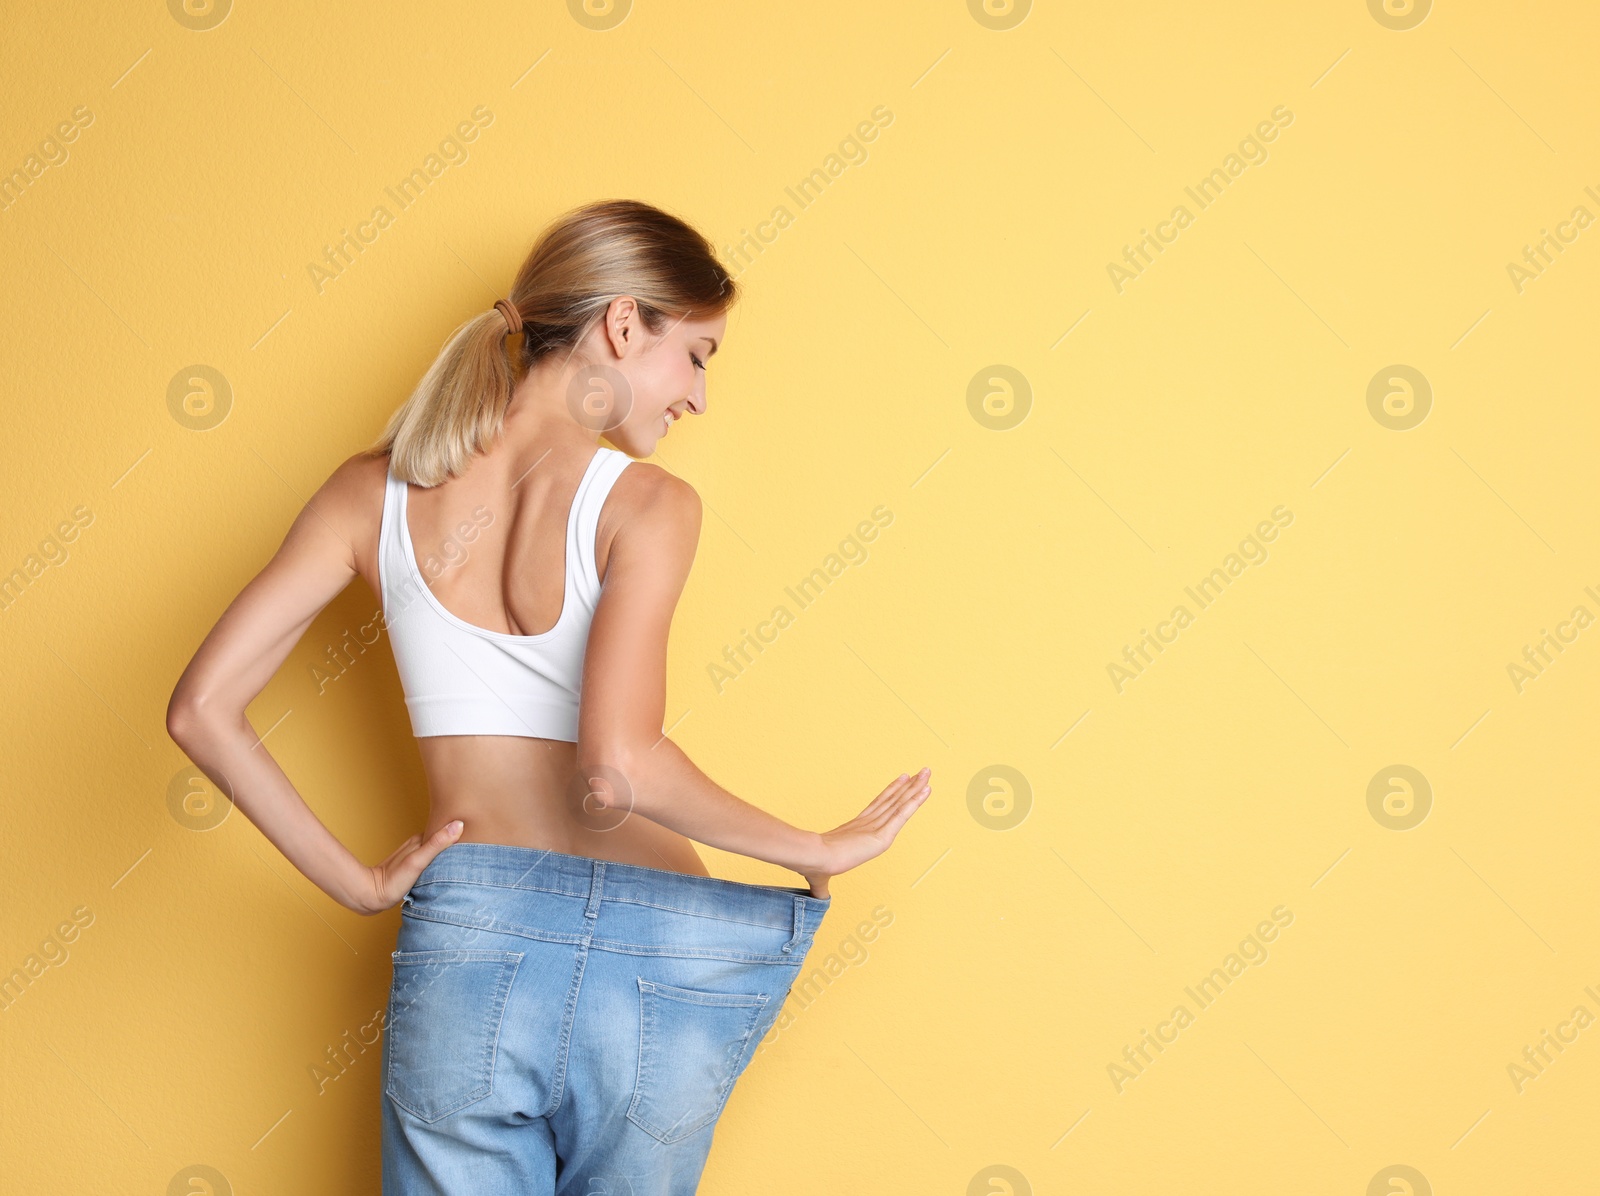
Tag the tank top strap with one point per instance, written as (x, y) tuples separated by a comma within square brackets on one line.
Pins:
[(590, 499), (393, 493), (398, 582), (391, 561)]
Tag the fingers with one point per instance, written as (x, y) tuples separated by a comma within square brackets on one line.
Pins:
[(438, 841), (885, 804), (399, 872), (896, 789), (907, 808), (401, 852), (432, 846), (885, 807), (894, 785)]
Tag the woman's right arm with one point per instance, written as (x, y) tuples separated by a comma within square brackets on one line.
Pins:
[(239, 656), (631, 764)]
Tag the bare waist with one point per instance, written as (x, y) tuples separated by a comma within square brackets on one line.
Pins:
[(525, 792)]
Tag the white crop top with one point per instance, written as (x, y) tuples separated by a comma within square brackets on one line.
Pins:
[(461, 679)]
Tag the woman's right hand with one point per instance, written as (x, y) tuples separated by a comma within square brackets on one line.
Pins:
[(384, 884), (869, 833)]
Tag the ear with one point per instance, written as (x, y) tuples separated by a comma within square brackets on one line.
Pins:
[(621, 324)]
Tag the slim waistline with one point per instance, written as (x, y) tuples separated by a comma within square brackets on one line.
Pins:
[(507, 866)]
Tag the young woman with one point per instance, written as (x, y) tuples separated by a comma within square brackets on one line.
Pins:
[(574, 995)]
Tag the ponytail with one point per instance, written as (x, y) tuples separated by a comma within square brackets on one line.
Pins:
[(458, 408)]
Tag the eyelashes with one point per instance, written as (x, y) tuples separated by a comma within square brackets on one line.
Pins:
[(698, 364)]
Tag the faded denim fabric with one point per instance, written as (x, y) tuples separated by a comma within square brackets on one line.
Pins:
[(570, 1026)]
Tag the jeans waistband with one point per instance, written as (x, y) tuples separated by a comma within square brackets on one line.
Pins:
[(535, 868)]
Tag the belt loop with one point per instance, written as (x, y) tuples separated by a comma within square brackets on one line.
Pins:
[(799, 923), (596, 885)]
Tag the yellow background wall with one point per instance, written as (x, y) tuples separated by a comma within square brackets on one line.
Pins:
[(1094, 847)]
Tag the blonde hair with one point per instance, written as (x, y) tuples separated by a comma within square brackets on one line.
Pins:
[(579, 264)]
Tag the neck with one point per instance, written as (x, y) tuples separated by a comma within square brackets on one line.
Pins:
[(539, 412)]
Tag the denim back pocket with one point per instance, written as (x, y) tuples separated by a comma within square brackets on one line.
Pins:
[(691, 1047), (444, 1027)]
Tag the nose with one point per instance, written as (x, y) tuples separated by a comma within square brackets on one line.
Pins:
[(697, 402)]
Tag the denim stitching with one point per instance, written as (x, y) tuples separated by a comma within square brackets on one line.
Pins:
[(642, 1074), (498, 998), (735, 1051), (691, 996), (799, 925), (502, 998), (718, 917), (646, 951), (515, 930), (494, 926), (714, 880), (558, 1082)]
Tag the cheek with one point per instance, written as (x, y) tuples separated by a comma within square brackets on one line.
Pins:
[(672, 382)]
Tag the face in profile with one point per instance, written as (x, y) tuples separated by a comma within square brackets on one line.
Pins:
[(640, 385)]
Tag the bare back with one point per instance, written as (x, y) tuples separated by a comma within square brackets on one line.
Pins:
[(491, 546)]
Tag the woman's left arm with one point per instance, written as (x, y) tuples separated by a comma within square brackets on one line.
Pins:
[(254, 636)]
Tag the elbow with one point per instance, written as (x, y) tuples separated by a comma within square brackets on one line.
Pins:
[(186, 714), (623, 748), (180, 721), (617, 772)]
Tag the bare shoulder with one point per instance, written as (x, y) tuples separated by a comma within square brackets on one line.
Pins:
[(652, 519), (648, 496), (354, 491), (349, 504)]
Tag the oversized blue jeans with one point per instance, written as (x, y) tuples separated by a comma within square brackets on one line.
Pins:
[(569, 1026)]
